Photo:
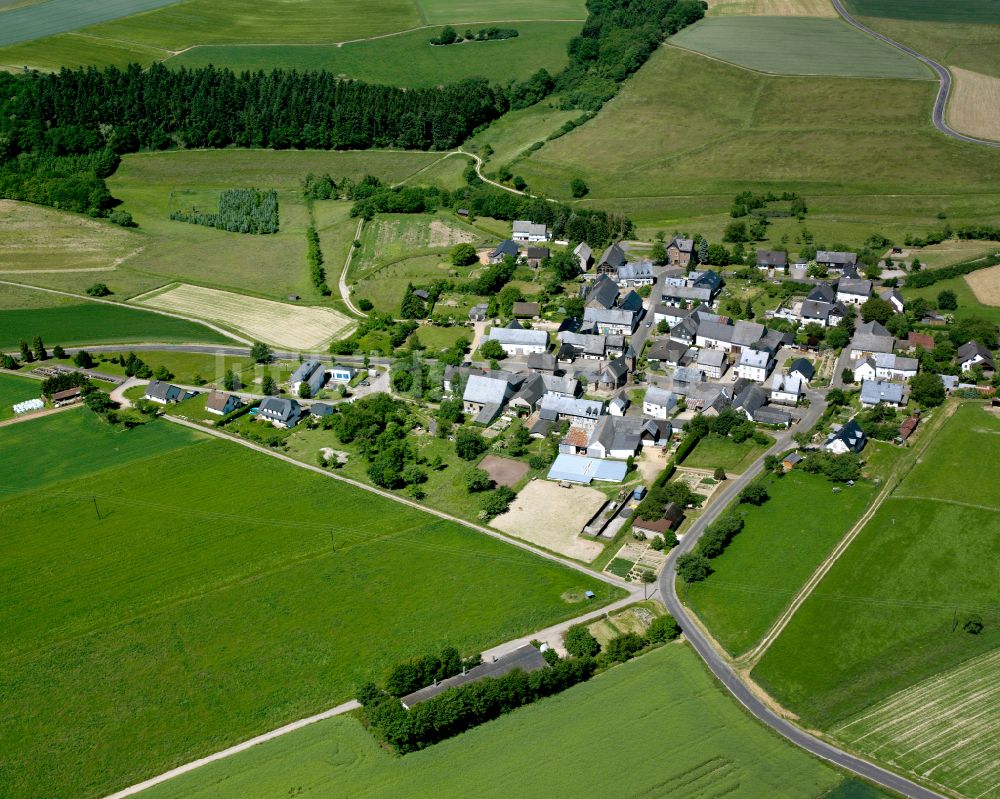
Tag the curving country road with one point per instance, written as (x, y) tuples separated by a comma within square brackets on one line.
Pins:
[(721, 668), (944, 76)]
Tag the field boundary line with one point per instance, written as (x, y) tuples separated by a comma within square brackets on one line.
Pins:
[(948, 502), (203, 322), (750, 659), (132, 790)]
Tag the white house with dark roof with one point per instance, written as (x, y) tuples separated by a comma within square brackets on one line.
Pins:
[(849, 438), (508, 248), (523, 230), (518, 341), (754, 365), (610, 321), (280, 412), (636, 273), (220, 403), (611, 260), (863, 369), (889, 366), (836, 260), (771, 259), (895, 299), (854, 292), (870, 338), (717, 335), (973, 354), (786, 389), (310, 373), (602, 294), (658, 402), (803, 368), (683, 296), (485, 397), (713, 363), (579, 412)]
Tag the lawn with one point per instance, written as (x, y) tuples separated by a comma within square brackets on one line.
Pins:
[(798, 46), (198, 610), (884, 618), (14, 389), (783, 542), (968, 304), (687, 133), (714, 451), (84, 322), (665, 699), (434, 337), (406, 60)]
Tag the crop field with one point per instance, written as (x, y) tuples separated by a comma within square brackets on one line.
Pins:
[(889, 614), (974, 11), (943, 730), (973, 107), (665, 698), (14, 389), (714, 451), (34, 238), (406, 60), (985, 284), (798, 46), (772, 8), (296, 327), (58, 16), (686, 133), (220, 593), (783, 542), (25, 314)]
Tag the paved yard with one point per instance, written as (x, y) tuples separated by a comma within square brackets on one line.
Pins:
[(504, 471), (552, 517)]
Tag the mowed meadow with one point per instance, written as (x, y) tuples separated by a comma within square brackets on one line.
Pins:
[(656, 726), (196, 593), (891, 611)]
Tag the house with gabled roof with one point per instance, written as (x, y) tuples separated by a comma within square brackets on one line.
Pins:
[(602, 294), (535, 255), (836, 260), (613, 375), (279, 411), (687, 296), (163, 393), (876, 392), (485, 397), (584, 255), (680, 251), (870, 338), (310, 373), (666, 353), (579, 412), (611, 260), (894, 298), (854, 292), (849, 438), (786, 389), (658, 402), (889, 366), (518, 341), (523, 230), (612, 321), (713, 363), (508, 248), (636, 273), (754, 364), (771, 259), (803, 368), (973, 354), (220, 403)]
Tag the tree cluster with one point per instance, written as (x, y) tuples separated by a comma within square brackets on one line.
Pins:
[(239, 211), (719, 533), (419, 672), (837, 468), (378, 332), (314, 257), (449, 35)]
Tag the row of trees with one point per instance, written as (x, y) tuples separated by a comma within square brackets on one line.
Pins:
[(449, 35), (314, 258)]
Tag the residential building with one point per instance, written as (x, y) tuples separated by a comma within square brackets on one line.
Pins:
[(535, 255), (517, 341), (849, 438), (507, 248), (771, 259), (687, 296), (523, 230), (708, 278), (579, 412), (584, 254), (665, 353), (836, 260), (162, 392), (889, 366), (542, 362), (612, 437), (563, 386), (869, 338), (320, 409), (613, 375), (613, 321), (713, 363), (854, 292), (786, 389), (824, 314), (280, 412), (342, 374), (658, 403), (611, 260), (485, 397), (823, 292), (875, 392), (220, 403), (673, 276), (632, 302), (803, 368), (708, 398), (731, 338), (588, 346), (602, 294), (895, 299), (973, 354), (638, 273), (310, 373), (679, 251), (754, 365), (750, 400)]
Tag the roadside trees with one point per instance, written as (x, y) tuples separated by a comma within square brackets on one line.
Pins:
[(580, 643)]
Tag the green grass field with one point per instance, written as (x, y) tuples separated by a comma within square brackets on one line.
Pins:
[(687, 133), (15, 389), (782, 543), (82, 322), (798, 46), (405, 60), (221, 594), (663, 700), (973, 11), (884, 617), (968, 304), (714, 451)]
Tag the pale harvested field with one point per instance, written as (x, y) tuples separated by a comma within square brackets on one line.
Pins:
[(771, 8), (944, 730), (279, 324), (33, 239), (552, 517), (985, 284), (974, 107)]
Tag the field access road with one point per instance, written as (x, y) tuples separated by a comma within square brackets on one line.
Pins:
[(707, 649), (944, 77)]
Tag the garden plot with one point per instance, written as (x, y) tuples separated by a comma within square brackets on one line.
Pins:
[(634, 558), (698, 480), (985, 284), (944, 730), (550, 516), (277, 323)]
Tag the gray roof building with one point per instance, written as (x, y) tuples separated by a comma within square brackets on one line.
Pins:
[(836, 259), (507, 247), (641, 270), (614, 256), (557, 406), (772, 258), (279, 409), (484, 390), (603, 294), (822, 292), (875, 391)]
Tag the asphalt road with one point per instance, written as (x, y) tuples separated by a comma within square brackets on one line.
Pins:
[(721, 669), (944, 76)]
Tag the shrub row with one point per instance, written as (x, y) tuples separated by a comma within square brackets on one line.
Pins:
[(314, 257), (929, 277)]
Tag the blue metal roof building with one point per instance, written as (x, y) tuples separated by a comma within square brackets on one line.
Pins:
[(578, 469)]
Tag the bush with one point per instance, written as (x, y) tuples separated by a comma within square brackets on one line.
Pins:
[(463, 255), (365, 304), (719, 473), (492, 351), (478, 480), (663, 628), (98, 290), (578, 188), (123, 218), (693, 567), (469, 444), (927, 389), (496, 502), (754, 494), (580, 643), (624, 647)]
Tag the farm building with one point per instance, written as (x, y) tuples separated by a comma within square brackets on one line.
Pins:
[(584, 254), (61, 398), (535, 255), (220, 403), (583, 470), (542, 362), (791, 460), (713, 363), (485, 397), (673, 517), (636, 274), (517, 341), (854, 292), (525, 310), (870, 338), (505, 249), (836, 260), (603, 294), (580, 412), (611, 260)]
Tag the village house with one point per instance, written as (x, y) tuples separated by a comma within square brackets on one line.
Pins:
[(837, 260), (523, 230), (803, 369), (848, 438), (863, 369), (679, 251), (611, 260), (665, 353), (518, 341), (164, 393), (280, 412), (310, 373), (505, 249), (786, 389), (754, 365), (709, 399), (895, 299), (673, 276), (869, 338), (619, 404), (889, 366), (613, 438), (579, 412), (636, 273), (854, 292), (658, 403), (687, 296), (613, 375), (220, 403), (525, 310), (771, 259), (535, 255), (713, 363), (610, 321), (589, 346), (730, 338), (973, 354), (584, 255), (477, 313), (485, 397), (820, 312), (875, 392), (542, 362), (342, 374), (602, 294)]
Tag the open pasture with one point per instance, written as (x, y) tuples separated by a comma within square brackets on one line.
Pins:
[(442, 11), (798, 46), (942, 730), (969, 303), (35, 238), (296, 327), (889, 613), (665, 698), (686, 127), (973, 108), (772, 8), (220, 593), (405, 60), (783, 542)]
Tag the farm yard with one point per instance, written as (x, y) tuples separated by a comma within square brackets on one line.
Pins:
[(665, 697), (549, 516), (890, 612), (942, 730), (239, 594), (796, 45), (295, 327)]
